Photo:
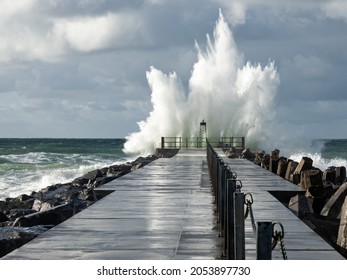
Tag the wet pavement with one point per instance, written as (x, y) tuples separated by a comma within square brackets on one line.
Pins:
[(165, 211), (300, 241), (161, 211)]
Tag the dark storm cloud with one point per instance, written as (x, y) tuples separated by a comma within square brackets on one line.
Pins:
[(67, 66)]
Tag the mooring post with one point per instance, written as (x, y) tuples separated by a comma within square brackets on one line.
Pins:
[(239, 238), (162, 143), (230, 224), (264, 240)]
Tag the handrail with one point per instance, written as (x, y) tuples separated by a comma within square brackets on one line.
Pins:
[(230, 204), (197, 142)]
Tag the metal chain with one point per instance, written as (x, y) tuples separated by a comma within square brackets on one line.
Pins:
[(278, 237), (238, 185), (249, 211), (283, 249)]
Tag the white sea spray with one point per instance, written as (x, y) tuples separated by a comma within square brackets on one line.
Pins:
[(234, 97)]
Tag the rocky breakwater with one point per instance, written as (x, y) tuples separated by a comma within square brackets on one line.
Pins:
[(322, 203), (25, 217)]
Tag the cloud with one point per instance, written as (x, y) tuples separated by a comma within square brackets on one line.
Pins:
[(335, 9), (49, 31), (69, 63), (10, 8), (235, 11), (311, 67), (87, 34)]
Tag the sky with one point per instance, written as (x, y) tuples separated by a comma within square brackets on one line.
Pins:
[(77, 69)]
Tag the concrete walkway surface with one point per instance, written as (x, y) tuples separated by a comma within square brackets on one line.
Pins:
[(161, 211)]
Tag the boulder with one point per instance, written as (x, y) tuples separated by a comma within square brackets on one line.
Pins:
[(60, 193), (118, 170), (52, 216), (16, 203), (143, 160), (13, 237), (332, 209), (15, 213), (87, 178), (3, 217), (92, 175), (104, 180), (103, 171)]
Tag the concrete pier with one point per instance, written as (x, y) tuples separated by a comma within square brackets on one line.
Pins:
[(301, 242), (161, 211), (166, 211)]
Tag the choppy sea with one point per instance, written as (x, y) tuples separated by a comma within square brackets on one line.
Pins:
[(28, 165)]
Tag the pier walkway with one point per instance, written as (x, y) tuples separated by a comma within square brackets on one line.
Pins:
[(166, 211), (301, 242), (161, 211)]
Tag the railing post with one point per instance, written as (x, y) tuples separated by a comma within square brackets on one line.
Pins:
[(221, 179), (264, 240), (230, 224), (218, 167), (222, 198), (239, 201)]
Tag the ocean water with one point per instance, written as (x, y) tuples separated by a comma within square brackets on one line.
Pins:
[(324, 153), (28, 165)]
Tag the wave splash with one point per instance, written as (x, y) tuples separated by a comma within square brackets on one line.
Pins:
[(234, 97), (33, 171)]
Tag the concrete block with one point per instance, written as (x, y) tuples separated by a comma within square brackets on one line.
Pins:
[(300, 205), (342, 235), (304, 164)]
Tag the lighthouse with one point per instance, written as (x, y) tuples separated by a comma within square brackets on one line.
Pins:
[(203, 134)]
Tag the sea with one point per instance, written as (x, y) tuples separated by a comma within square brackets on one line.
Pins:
[(28, 165)]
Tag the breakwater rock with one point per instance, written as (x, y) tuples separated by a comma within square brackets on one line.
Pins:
[(25, 217), (321, 204)]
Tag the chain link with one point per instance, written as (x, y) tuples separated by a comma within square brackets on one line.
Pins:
[(278, 237), (238, 185), (249, 211)]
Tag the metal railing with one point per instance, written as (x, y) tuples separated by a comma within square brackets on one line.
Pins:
[(197, 142), (230, 204)]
